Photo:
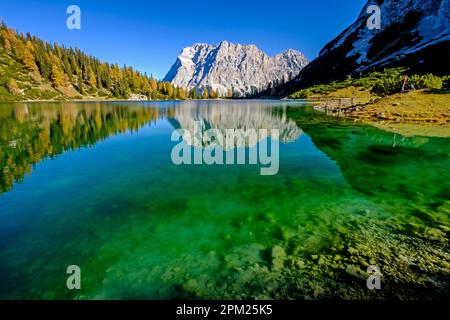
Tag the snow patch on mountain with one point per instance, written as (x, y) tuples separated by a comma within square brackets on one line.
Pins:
[(241, 69), (433, 27)]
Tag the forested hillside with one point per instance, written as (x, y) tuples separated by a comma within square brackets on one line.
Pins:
[(32, 69)]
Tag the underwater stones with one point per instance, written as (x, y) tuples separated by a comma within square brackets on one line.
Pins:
[(300, 264), (322, 260), (404, 259), (435, 234), (278, 257), (337, 273), (166, 291), (355, 272), (190, 285)]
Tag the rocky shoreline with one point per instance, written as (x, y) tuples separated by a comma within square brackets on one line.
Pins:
[(410, 114)]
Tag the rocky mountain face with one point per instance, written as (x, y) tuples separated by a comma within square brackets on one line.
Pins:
[(413, 34), (228, 67)]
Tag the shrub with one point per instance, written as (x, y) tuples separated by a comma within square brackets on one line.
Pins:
[(446, 82), (388, 85), (6, 96), (427, 81), (392, 83), (366, 83), (302, 94), (12, 87), (383, 83), (102, 93), (38, 94)]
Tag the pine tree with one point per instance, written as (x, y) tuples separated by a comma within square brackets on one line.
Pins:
[(80, 83), (193, 94), (107, 80), (99, 79)]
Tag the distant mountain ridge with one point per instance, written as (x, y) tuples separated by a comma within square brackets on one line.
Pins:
[(227, 67), (414, 34)]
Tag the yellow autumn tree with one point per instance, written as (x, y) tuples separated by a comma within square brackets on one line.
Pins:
[(181, 93), (170, 91), (92, 81), (57, 76), (153, 84), (29, 60), (6, 41), (12, 87)]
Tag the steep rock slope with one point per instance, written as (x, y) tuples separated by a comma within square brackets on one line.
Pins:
[(414, 34), (241, 69)]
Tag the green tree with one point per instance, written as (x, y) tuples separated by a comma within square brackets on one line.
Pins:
[(80, 83), (193, 94)]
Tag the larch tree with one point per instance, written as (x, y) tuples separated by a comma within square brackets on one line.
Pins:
[(205, 94), (57, 76), (12, 87), (28, 58), (92, 80)]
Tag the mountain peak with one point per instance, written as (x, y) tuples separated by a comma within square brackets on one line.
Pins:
[(243, 69)]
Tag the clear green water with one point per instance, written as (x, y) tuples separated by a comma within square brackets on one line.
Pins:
[(93, 185)]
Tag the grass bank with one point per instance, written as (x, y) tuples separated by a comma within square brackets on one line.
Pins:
[(376, 99)]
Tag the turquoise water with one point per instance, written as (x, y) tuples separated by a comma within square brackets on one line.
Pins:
[(93, 185)]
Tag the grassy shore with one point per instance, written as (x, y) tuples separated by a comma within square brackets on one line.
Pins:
[(423, 112), (414, 113)]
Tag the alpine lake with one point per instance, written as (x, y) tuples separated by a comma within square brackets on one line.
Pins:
[(93, 185)]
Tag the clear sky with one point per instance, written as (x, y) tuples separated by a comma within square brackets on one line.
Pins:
[(149, 35)]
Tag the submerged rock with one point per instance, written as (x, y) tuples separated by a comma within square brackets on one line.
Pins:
[(356, 272), (278, 257)]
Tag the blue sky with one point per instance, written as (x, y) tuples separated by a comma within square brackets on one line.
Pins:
[(149, 35)]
